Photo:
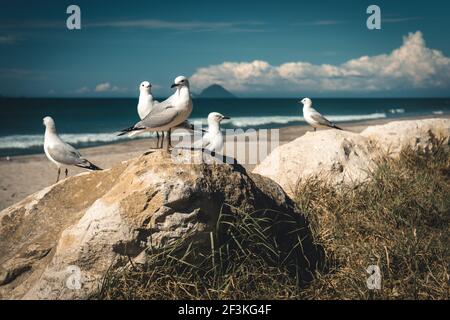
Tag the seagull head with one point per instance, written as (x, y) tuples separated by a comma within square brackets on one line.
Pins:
[(48, 122), (215, 117), (306, 102), (180, 81), (145, 86)]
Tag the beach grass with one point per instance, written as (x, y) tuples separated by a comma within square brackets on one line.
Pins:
[(398, 220)]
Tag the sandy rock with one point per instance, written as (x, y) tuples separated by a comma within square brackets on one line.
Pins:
[(393, 136), (340, 155), (60, 242), (346, 157)]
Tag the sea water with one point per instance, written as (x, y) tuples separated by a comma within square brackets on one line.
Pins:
[(90, 122)]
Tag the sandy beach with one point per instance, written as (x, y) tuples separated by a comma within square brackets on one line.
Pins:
[(24, 175)]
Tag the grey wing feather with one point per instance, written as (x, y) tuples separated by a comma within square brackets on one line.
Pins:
[(160, 107), (160, 118), (321, 119), (65, 153)]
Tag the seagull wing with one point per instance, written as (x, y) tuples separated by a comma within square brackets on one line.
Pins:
[(162, 114), (320, 119), (158, 117), (65, 153)]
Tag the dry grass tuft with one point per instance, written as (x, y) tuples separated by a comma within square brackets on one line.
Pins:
[(247, 259), (399, 220)]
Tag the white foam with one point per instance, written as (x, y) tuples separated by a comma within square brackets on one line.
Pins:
[(266, 120), (356, 117), (37, 140), (396, 110)]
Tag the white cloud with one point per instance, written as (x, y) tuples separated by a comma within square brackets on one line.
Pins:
[(179, 25), (108, 87), (7, 39), (103, 87), (321, 23), (410, 66), (83, 90), (399, 20)]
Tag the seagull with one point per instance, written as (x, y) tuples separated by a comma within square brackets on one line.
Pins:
[(213, 139), (61, 153), (314, 118), (146, 101), (146, 104), (167, 114)]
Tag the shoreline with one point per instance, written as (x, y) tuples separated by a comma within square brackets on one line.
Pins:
[(25, 174)]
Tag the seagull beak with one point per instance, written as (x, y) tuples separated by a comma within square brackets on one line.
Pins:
[(225, 118), (173, 85)]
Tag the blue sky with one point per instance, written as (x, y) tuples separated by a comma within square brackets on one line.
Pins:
[(254, 48)]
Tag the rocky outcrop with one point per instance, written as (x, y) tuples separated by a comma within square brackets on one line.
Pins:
[(60, 242), (347, 157), (393, 136)]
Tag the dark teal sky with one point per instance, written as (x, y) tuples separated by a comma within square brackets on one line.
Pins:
[(122, 44)]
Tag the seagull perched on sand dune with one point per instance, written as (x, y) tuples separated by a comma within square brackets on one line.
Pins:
[(314, 118), (167, 114), (213, 139), (61, 153)]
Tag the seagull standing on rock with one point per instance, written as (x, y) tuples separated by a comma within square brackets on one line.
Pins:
[(167, 114), (213, 139), (314, 118), (146, 104), (61, 153)]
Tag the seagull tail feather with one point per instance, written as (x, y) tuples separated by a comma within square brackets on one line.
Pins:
[(129, 130), (89, 165), (336, 127)]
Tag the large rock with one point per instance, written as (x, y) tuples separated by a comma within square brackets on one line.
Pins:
[(394, 136), (346, 157), (340, 156), (83, 225)]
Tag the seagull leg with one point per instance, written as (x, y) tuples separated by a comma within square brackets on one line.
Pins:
[(67, 172), (314, 129), (168, 141), (59, 172), (157, 139), (162, 139)]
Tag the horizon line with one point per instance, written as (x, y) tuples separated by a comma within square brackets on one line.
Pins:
[(231, 98)]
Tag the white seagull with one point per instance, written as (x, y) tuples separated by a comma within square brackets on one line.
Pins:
[(314, 118), (146, 104), (61, 153), (213, 139), (146, 101), (167, 114)]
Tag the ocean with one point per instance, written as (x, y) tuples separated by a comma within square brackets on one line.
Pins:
[(92, 122)]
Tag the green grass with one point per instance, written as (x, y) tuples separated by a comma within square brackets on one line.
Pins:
[(398, 220), (248, 257)]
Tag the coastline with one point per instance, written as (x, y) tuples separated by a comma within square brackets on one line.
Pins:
[(26, 174)]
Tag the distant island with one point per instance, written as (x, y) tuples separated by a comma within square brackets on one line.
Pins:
[(215, 91)]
